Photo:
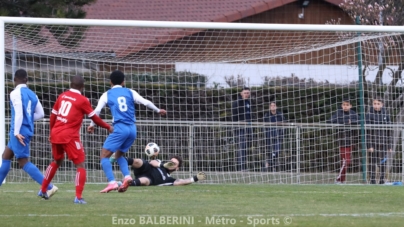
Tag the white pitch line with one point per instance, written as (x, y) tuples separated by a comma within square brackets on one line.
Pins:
[(392, 214)]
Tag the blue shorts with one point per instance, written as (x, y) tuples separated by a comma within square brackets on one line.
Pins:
[(121, 138), (19, 150)]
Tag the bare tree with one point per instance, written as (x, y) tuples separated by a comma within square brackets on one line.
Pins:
[(233, 81), (389, 49)]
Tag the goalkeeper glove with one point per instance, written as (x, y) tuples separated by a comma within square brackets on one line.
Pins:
[(199, 176), (167, 165)]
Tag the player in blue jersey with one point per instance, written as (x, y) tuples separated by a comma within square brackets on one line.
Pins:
[(121, 102), (25, 109)]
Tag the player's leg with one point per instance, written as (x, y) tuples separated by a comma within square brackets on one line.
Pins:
[(141, 181), (21, 152), (241, 152), (130, 131), (75, 152), (372, 166), (137, 164), (341, 175), (122, 162), (5, 163), (111, 145), (348, 151), (268, 153), (382, 163), (80, 182), (58, 156), (107, 168), (141, 169)]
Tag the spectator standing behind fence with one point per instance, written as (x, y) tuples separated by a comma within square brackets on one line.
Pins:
[(344, 116), (241, 112), (274, 137), (378, 141)]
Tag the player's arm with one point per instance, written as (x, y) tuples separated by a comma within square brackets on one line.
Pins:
[(98, 121), (16, 101), (92, 114), (39, 113), (155, 163), (54, 114), (199, 177), (102, 102), (140, 100)]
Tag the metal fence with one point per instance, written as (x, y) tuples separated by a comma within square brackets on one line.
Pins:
[(308, 154)]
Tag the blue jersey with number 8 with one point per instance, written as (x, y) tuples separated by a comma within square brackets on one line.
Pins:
[(122, 105)]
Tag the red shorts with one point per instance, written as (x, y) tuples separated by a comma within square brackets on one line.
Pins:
[(74, 150)]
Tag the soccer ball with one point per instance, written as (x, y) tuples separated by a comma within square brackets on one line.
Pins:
[(151, 149)]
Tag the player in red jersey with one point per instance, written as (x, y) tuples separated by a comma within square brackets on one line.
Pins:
[(65, 122)]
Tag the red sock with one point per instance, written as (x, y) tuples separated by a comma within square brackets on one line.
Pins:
[(80, 181), (49, 174)]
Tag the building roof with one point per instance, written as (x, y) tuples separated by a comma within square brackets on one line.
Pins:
[(180, 10), (123, 40)]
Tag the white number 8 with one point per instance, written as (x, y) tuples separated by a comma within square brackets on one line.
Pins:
[(122, 104)]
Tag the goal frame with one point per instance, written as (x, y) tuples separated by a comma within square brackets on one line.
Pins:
[(167, 24)]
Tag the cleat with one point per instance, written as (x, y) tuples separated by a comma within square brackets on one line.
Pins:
[(125, 184), (112, 158), (43, 195), (79, 201), (52, 191), (110, 187)]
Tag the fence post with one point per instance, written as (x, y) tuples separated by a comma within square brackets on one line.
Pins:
[(402, 155), (361, 105), (191, 147), (297, 155)]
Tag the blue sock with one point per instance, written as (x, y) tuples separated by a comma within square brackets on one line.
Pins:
[(35, 174), (123, 165), (107, 167), (4, 169)]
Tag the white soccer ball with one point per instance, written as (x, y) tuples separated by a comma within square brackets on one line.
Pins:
[(151, 149)]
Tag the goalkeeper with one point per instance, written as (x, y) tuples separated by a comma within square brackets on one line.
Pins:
[(157, 173)]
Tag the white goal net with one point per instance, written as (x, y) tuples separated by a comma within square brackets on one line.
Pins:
[(298, 78)]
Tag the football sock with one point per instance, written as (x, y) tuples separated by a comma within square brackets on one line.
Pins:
[(123, 165), (80, 181), (107, 167), (34, 172), (135, 182), (4, 169), (49, 174)]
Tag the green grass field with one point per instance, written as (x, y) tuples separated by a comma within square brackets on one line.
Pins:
[(206, 205)]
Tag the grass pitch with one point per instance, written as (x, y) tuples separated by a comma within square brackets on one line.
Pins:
[(206, 205)]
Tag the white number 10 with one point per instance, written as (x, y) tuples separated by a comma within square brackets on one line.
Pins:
[(65, 108)]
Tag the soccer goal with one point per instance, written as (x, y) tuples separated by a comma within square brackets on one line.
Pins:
[(298, 77)]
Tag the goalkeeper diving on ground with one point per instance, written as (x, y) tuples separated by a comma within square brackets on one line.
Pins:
[(157, 173)]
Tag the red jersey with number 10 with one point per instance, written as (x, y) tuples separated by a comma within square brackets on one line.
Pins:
[(69, 109)]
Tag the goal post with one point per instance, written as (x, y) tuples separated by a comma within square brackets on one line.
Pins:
[(298, 76), (2, 94)]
